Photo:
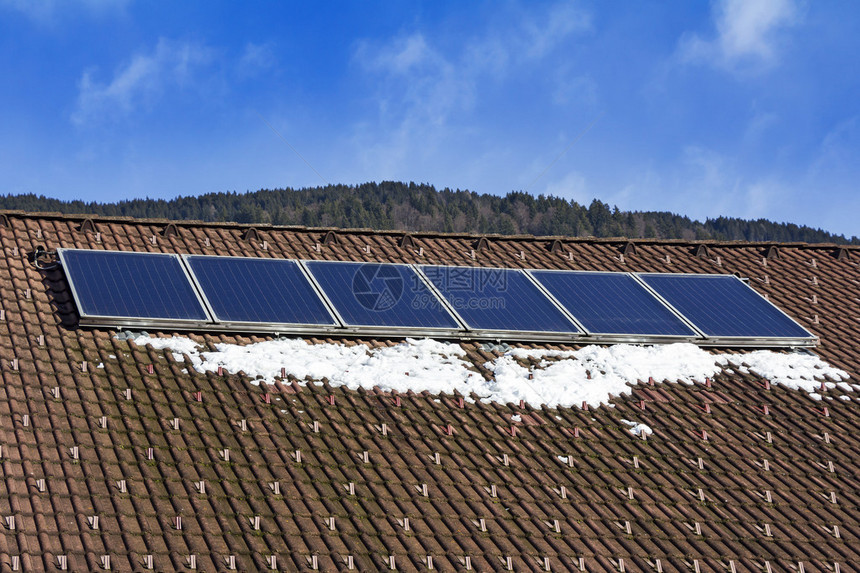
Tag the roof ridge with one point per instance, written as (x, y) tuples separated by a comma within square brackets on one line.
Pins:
[(417, 234)]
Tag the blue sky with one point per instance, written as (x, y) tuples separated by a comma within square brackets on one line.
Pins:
[(744, 108)]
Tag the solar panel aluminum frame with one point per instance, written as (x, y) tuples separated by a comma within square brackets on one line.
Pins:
[(348, 329), (340, 327), (274, 327), (512, 335), (614, 337), (738, 341), (131, 322)]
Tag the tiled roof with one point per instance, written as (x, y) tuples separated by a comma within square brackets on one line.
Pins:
[(116, 451)]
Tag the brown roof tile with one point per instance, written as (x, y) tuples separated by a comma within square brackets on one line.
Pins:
[(771, 487)]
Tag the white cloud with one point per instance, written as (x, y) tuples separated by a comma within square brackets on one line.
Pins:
[(525, 39), (418, 90), (747, 32), (759, 125), (760, 199), (423, 84), (840, 144), (705, 183), (402, 55), (702, 182), (834, 170), (256, 58), (711, 184), (549, 30), (708, 168), (746, 28), (573, 186), (139, 82), (431, 79)]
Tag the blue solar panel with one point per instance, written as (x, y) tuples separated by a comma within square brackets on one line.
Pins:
[(612, 303), (268, 291), (723, 306), (498, 299), (145, 286), (383, 295)]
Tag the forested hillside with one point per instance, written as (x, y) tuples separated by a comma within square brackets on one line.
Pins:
[(418, 207)]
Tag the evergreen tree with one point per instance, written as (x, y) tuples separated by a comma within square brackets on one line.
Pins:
[(420, 207)]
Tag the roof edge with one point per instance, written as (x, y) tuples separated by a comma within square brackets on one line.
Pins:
[(416, 234)]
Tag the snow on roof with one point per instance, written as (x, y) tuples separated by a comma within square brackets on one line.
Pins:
[(798, 371), (638, 429), (559, 379), (593, 373)]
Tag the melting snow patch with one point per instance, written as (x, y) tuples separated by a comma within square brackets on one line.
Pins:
[(414, 365), (590, 375), (516, 418), (797, 371), (178, 344), (638, 429)]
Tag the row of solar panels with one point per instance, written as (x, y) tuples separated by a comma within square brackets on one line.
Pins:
[(330, 297)]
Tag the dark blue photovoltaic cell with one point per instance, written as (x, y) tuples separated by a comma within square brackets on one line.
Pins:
[(498, 299), (270, 291), (373, 294), (131, 285), (723, 306), (612, 303)]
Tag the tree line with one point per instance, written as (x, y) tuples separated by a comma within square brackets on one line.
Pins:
[(421, 207)]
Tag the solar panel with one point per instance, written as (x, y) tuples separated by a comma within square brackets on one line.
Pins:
[(722, 306), (612, 303), (496, 299), (380, 295), (131, 286), (127, 288), (259, 291)]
